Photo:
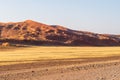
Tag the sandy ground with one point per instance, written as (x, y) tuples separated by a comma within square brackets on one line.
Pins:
[(67, 69)]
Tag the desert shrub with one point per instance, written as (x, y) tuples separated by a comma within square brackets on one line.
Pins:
[(5, 44)]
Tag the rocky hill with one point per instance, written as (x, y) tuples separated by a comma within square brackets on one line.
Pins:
[(35, 33)]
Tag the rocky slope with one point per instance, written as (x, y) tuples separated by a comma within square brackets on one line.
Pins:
[(35, 33)]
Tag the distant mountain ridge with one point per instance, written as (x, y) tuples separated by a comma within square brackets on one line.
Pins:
[(32, 32)]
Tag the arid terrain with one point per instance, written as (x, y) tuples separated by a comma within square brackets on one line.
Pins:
[(31, 50), (36, 33), (60, 63)]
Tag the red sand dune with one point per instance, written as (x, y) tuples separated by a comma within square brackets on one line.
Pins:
[(35, 32)]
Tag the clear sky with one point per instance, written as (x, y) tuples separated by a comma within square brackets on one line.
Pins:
[(101, 16)]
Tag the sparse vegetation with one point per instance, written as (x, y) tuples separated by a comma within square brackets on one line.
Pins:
[(5, 44), (19, 55)]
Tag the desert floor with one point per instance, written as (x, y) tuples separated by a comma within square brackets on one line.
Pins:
[(95, 68)]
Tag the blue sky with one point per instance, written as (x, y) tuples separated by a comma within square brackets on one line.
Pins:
[(101, 16)]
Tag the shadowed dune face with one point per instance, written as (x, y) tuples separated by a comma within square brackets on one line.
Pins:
[(32, 31)]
